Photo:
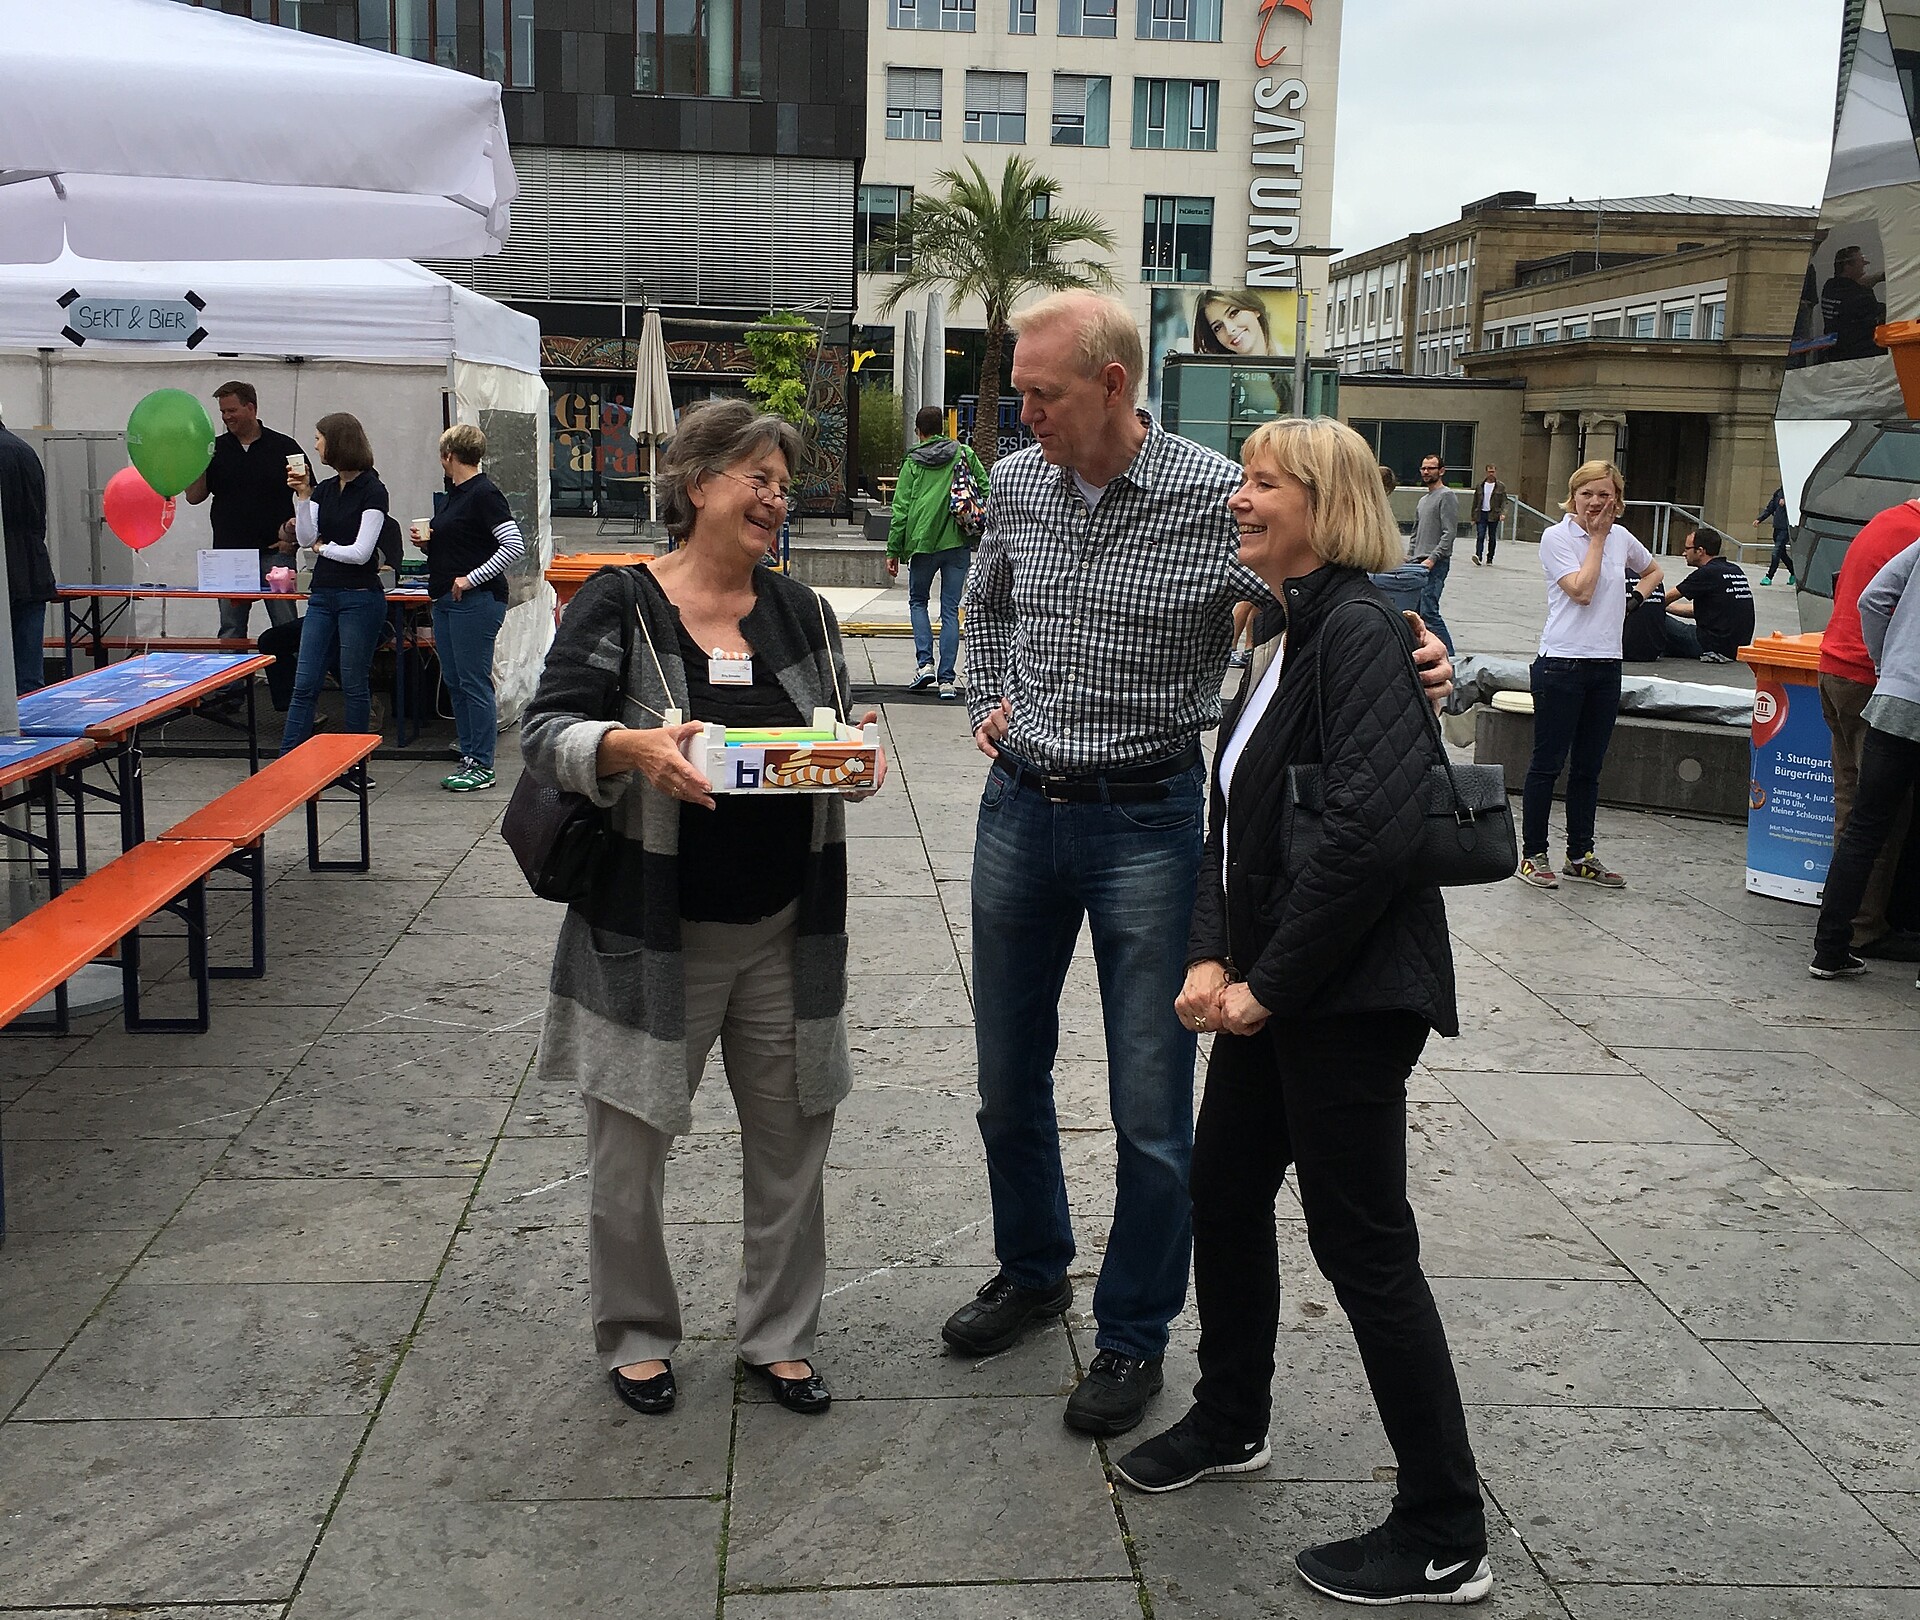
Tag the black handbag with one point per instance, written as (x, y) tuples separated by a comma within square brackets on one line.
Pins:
[(558, 837), (1466, 833)]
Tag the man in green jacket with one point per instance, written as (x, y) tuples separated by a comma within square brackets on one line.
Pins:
[(923, 531)]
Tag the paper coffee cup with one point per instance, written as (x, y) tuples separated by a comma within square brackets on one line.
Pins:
[(422, 529)]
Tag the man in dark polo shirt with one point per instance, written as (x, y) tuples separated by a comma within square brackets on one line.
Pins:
[(1710, 612), (247, 479)]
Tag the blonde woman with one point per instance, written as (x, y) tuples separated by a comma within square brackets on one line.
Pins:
[(1576, 678), (1324, 986)]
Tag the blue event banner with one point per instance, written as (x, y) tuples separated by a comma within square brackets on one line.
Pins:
[(1789, 794)]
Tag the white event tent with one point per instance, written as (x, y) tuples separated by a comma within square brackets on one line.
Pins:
[(403, 349)]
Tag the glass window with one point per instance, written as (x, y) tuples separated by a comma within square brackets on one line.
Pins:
[(1373, 306), (1677, 323), (1386, 309), (996, 108), (1547, 332), (1178, 19), (1496, 338), (1522, 336), (1080, 109), (1021, 16), (1640, 324), (1093, 19), (1177, 239), (943, 16), (878, 239), (506, 41), (1402, 446), (1177, 114), (1576, 331), (376, 25), (1606, 326), (913, 104), (1714, 318)]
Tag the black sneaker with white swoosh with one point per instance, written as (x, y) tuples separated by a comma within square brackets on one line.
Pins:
[(1186, 1454), (1384, 1566)]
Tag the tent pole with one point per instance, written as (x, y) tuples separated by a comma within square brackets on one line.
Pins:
[(9, 697)]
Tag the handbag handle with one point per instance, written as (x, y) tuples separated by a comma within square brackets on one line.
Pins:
[(1461, 814)]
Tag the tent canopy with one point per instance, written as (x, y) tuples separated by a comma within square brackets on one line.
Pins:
[(346, 309), (150, 128)]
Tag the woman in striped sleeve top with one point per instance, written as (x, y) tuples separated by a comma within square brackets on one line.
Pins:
[(473, 542)]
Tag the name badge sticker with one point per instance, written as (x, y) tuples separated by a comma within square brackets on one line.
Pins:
[(723, 670)]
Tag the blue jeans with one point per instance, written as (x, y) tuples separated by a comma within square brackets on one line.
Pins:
[(1430, 601), (1782, 541), (1130, 870), (951, 566), (352, 620), (463, 635), (29, 646), (1683, 638), (1486, 536), (1575, 702)]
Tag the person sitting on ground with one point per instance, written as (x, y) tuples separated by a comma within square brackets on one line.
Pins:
[(1643, 638), (924, 532), (710, 919), (1889, 759), (1710, 612)]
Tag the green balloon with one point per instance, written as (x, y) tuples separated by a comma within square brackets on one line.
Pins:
[(169, 439)]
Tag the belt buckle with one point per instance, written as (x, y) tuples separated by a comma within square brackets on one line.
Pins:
[(1054, 789)]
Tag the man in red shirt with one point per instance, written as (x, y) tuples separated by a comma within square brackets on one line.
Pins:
[(1846, 682)]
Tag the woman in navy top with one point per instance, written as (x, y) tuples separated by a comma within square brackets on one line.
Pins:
[(473, 542), (341, 520)]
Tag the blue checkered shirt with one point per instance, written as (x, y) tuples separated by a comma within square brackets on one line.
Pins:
[(1107, 629)]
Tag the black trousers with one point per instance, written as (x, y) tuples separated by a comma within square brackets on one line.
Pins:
[(1330, 1098), (1889, 770)]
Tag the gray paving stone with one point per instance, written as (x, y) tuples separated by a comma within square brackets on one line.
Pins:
[(1756, 1082), (1577, 1108), (413, 1063), (1855, 1151), (1688, 1497), (1591, 1344), (1677, 1184), (921, 1056), (236, 1040), (359, 1230), (166, 1512), (329, 980), (1899, 1512), (1707, 1023), (1735, 1603), (535, 1180), (1828, 1286), (1482, 1214), (51, 1281), (345, 1130), (863, 1514), (936, 1000), (129, 1185), (915, 1216), (1847, 1404), (172, 1611), (168, 1104), (214, 1350), (1224, 1550), (1057, 1600), (446, 1560), (1890, 1221), (18, 1370)]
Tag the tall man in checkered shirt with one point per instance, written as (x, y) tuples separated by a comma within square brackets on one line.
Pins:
[(1099, 614)]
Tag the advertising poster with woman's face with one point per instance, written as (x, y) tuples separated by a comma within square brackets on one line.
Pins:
[(1216, 320)]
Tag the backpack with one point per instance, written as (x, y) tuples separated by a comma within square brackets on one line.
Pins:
[(966, 501)]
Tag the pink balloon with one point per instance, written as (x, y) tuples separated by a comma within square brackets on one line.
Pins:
[(134, 511)]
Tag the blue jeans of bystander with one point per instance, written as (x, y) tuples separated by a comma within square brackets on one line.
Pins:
[(1130, 870), (951, 567), (1430, 601), (352, 619), (29, 646), (463, 635)]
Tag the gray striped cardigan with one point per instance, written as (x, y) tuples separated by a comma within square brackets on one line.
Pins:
[(615, 1023)]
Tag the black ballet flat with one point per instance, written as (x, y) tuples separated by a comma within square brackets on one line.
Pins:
[(651, 1396), (808, 1396)]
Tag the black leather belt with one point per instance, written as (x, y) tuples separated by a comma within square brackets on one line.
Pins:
[(1130, 784)]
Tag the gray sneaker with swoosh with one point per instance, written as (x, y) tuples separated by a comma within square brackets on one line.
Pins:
[(1385, 1566)]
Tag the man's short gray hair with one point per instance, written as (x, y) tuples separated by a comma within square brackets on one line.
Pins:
[(711, 438), (1103, 327)]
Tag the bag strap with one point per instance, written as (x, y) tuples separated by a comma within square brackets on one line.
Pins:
[(833, 674), (1460, 812)]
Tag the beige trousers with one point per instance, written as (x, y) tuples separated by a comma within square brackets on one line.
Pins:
[(739, 982), (1842, 701)]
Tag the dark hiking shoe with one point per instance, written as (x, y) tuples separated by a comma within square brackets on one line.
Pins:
[(1844, 966), (1186, 1454), (1113, 1396), (996, 1316), (1383, 1566)]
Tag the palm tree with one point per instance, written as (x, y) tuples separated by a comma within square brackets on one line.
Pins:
[(971, 240)]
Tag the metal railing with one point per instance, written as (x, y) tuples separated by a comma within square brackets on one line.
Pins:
[(1660, 526)]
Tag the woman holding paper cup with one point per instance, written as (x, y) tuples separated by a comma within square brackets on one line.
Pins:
[(347, 605), (470, 545), (716, 917)]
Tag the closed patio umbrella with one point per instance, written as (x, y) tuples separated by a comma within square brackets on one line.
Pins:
[(933, 355), (652, 401), (907, 351)]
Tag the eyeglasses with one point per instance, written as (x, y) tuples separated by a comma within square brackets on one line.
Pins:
[(763, 486)]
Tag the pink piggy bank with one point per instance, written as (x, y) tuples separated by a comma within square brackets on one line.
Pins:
[(280, 579)]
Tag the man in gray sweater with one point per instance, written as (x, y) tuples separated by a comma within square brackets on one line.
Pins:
[(1433, 530), (1889, 758)]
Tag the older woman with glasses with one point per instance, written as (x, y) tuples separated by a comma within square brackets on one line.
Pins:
[(713, 919)]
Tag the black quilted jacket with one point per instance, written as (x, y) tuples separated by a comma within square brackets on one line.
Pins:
[(1350, 935)]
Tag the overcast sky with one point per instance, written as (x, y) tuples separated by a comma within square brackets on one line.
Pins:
[(1446, 101)]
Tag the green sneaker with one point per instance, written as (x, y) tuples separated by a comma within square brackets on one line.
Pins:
[(470, 778)]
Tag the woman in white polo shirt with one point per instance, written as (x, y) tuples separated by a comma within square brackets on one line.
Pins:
[(1576, 678)]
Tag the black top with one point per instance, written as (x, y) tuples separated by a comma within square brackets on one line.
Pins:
[(1722, 598), (1851, 312), (23, 508), (340, 509), (248, 483), (464, 532), (744, 859), (1643, 637)]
